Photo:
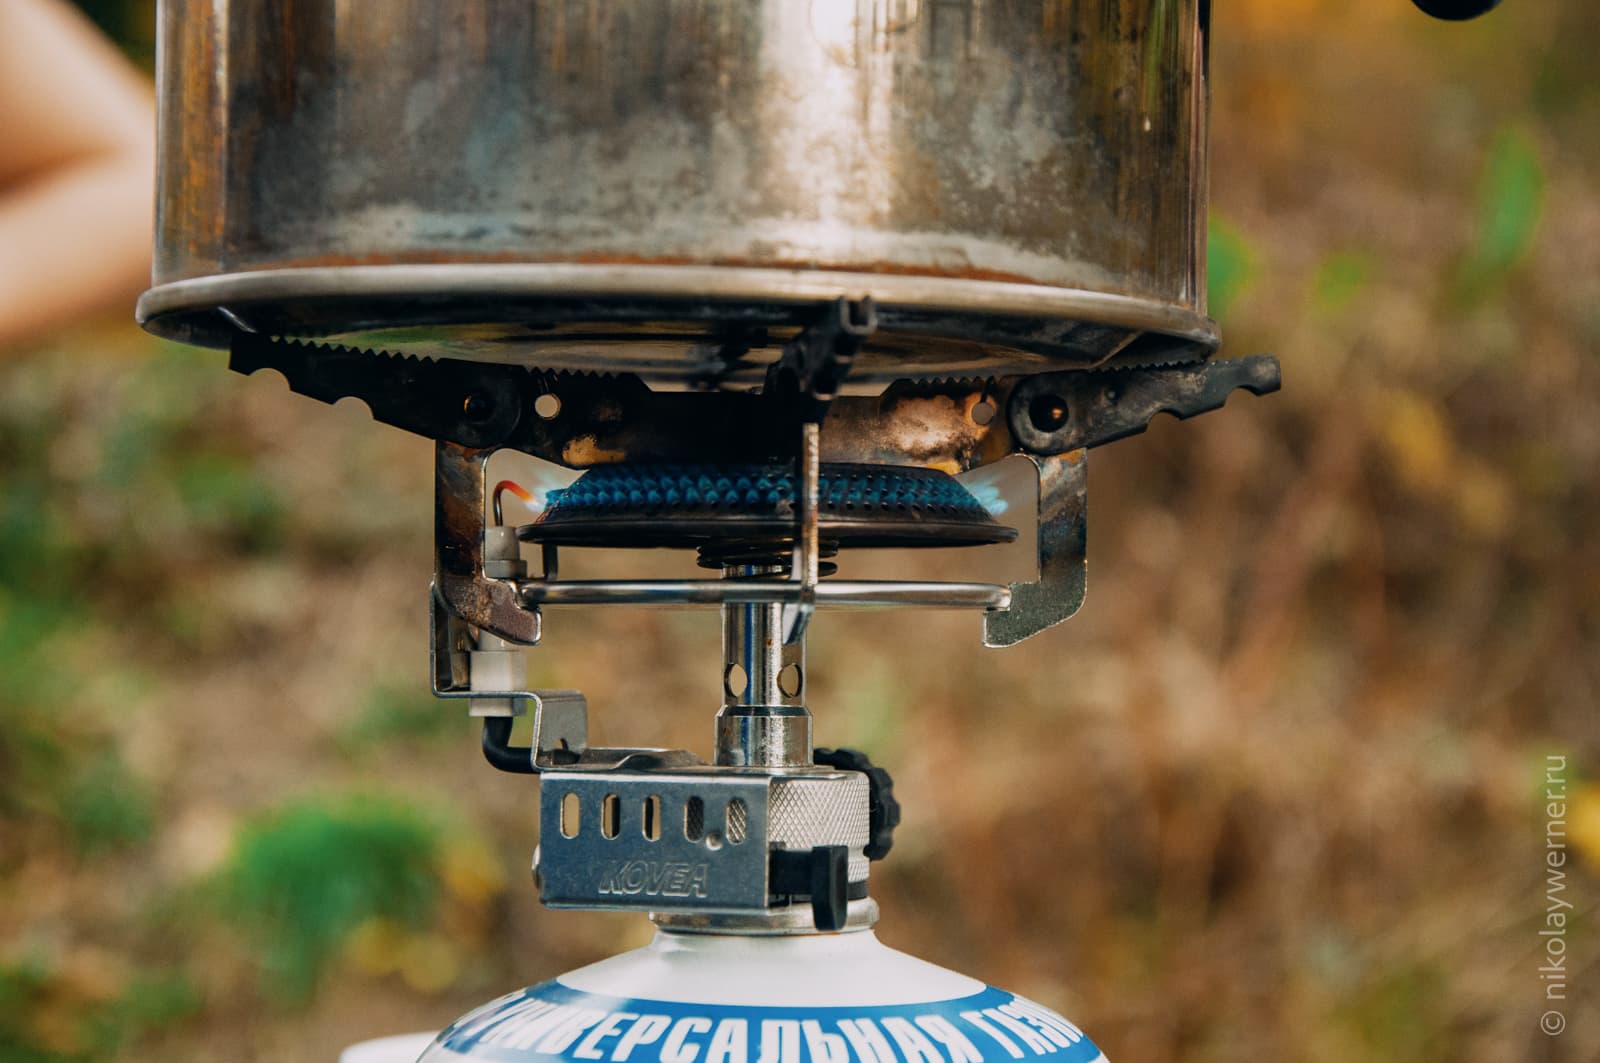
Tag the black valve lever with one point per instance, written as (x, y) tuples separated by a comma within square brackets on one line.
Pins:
[(822, 874), (1456, 10)]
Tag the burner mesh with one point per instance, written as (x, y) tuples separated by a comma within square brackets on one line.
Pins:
[(759, 489), (697, 505)]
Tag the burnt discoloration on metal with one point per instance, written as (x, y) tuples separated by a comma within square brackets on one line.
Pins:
[(603, 419), (614, 418), (929, 424), (982, 143), (459, 582)]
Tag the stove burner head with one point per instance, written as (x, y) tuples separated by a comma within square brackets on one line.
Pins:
[(646, 451), (739, 509)]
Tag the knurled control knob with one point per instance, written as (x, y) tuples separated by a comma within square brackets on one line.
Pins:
[(885, 810)]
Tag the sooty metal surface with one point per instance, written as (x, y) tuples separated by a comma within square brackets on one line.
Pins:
[(644, 186)]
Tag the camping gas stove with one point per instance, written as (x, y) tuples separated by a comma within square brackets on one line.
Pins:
[(773, 278), (767, 841)]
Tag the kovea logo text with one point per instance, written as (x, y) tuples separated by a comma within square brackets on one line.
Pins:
[(654, 878)]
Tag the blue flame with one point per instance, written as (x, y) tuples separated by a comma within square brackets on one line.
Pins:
[(984, 486)]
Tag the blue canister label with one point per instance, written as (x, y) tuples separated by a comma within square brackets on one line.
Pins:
[(554, 1020)]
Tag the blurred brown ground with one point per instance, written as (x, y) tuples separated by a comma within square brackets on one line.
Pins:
[(1276, 793)]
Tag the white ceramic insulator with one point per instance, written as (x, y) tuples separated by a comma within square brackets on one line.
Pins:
[(498, 665)]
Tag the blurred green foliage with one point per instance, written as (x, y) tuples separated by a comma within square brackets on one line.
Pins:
[(220, 493), (1230, 266), (1341, 277), (150, 1003), (1511, 193), (149, 492), (1400, 1017), (105, 807), (393, 711), (22, 987), (169, 469), (303, 878), (48, 1015), (32, 752)]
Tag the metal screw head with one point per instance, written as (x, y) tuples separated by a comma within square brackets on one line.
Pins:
[(477, 408)]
